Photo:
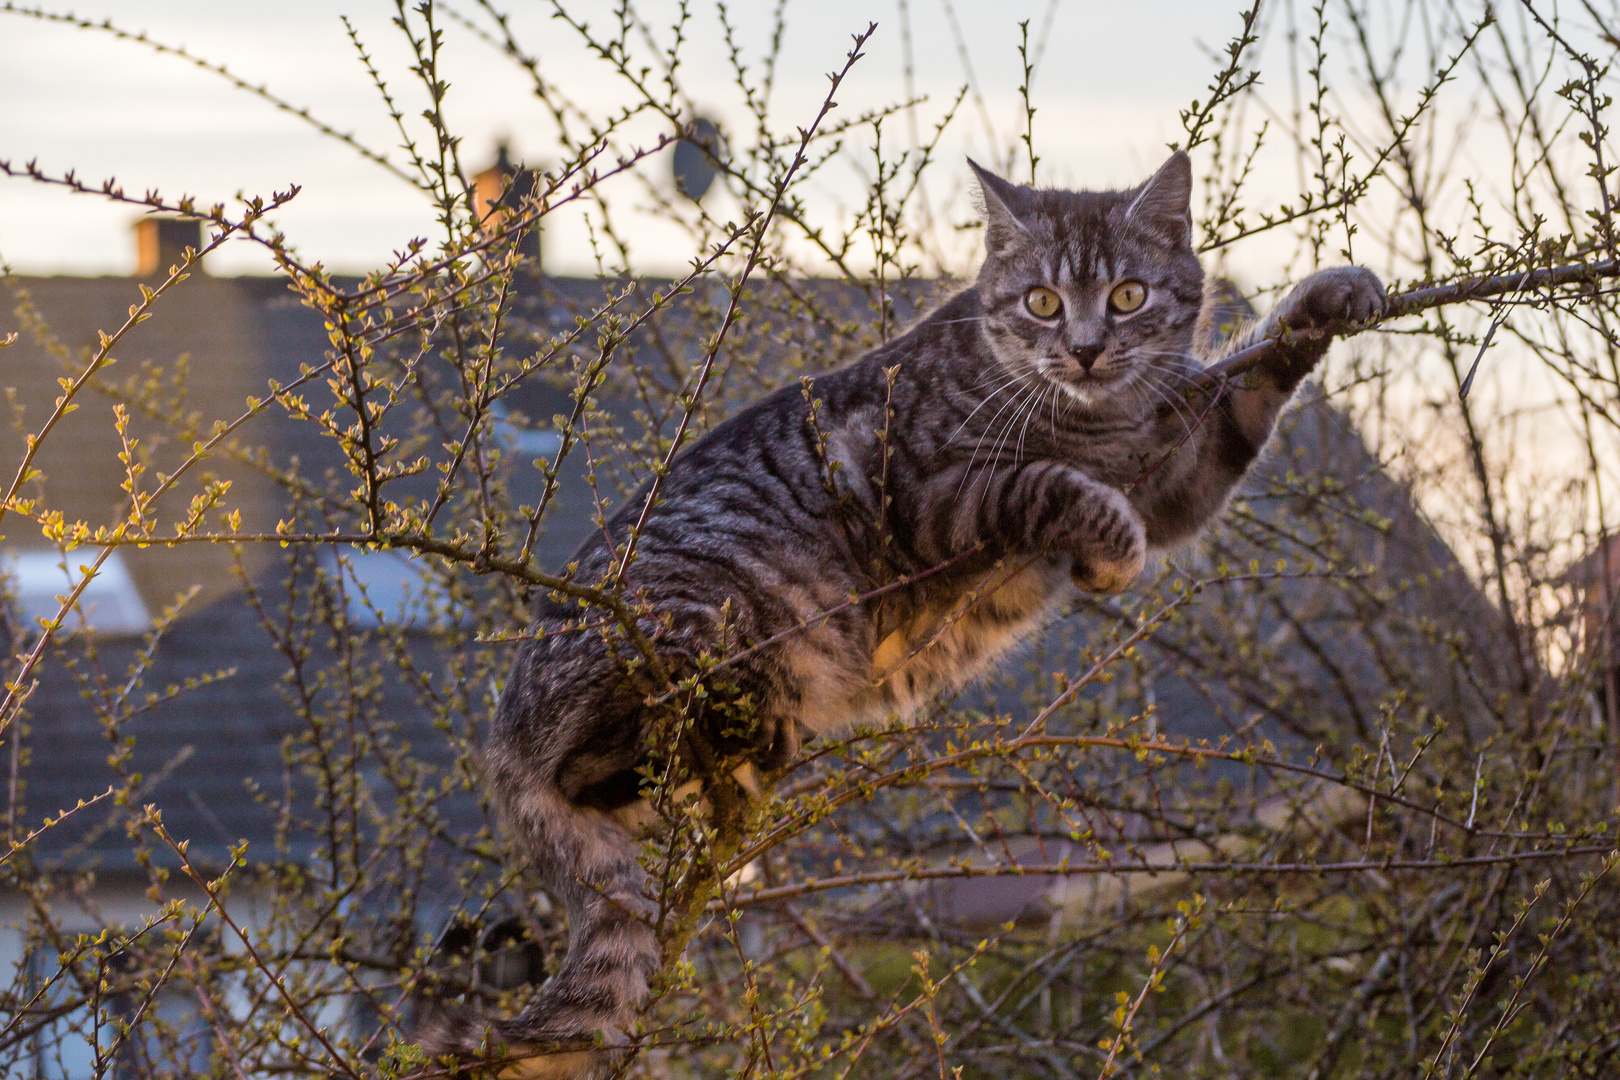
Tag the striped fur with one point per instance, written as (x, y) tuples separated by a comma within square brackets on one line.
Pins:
[(997, 436)]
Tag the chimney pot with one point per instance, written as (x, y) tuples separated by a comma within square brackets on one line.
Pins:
[(161, 241), (502, 189)]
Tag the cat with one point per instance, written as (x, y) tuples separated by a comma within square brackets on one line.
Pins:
[(1034, 439)]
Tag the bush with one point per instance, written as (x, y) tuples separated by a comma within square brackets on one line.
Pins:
[(1328, 796)]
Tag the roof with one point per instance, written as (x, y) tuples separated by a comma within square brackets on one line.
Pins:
[(225, 713), (203, 751)]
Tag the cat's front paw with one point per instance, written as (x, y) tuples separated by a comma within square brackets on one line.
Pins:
[(1109, 563), (1328, 302), (1333, 300)]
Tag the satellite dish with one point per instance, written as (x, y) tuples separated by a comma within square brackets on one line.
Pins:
[(695, 155)]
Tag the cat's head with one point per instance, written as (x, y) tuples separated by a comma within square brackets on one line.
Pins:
[(1096, 292)]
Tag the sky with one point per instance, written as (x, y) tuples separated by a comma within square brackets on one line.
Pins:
[(1110, 81)]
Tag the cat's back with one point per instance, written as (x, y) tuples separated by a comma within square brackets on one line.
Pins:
[(767, 466)]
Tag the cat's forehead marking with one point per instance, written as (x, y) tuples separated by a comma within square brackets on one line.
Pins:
[(1079, 239)]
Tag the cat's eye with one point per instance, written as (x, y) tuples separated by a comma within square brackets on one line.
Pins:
[(1043, 303), (1127, 296)]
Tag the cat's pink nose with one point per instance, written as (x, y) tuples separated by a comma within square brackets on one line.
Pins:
[(1086, 353)]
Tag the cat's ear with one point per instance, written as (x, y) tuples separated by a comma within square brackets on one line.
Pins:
[(1163, 205), (1002, 203)]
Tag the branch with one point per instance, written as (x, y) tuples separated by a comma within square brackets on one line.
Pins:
[(260, 90), (1067, 869), (1410, 303)]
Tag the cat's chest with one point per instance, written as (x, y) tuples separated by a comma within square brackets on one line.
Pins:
[(1113, 457)]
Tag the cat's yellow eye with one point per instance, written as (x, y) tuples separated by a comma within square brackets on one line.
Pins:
[(1127, 296), (1043, 303)]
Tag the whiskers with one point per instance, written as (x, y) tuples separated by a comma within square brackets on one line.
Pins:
[(1014, 380), (1166, 380), (1150, 386), (1029, 395), (1165, 362), (1022, 411)]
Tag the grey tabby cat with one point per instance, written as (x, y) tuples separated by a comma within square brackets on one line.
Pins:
[(1022, 418)]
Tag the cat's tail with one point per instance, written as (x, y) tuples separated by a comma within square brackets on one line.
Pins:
[(570, 1029)]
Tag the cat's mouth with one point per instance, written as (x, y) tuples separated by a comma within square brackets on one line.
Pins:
[(1086, 387), (1083, 394)]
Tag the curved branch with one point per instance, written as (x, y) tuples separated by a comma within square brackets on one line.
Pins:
[(1482, 287)]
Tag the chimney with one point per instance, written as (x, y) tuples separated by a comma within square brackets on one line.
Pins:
[(159, 242), (1597, 582), (500, 190)]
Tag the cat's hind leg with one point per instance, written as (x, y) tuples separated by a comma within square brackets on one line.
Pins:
[(564, 785), (602, 983)]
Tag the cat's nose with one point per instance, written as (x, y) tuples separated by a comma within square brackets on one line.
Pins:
[(1086, 352)]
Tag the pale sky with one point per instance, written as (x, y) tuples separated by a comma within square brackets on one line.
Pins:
[(1110, 83), (1109, 87)]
